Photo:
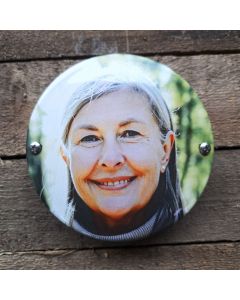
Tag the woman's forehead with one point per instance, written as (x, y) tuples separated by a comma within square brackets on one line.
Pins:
[(116, 107)]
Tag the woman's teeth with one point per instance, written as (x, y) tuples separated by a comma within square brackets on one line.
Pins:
[(115, 183)]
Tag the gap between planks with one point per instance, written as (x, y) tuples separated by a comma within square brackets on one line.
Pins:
[(149, 54), (23, 156), (66, 251)]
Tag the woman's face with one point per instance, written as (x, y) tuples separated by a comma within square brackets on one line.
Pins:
[(115, 154)]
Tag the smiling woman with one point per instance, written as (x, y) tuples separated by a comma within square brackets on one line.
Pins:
[(119, 146), (103, 152)]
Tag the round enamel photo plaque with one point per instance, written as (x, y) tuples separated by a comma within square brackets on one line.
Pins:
[(119, 147)]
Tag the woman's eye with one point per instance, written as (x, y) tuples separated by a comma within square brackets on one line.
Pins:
[(130, 134), (90, 138)]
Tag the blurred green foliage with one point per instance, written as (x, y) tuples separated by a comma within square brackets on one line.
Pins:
[(192, 127)]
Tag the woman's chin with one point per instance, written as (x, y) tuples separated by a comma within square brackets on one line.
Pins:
[(116, 207), (116, 201)]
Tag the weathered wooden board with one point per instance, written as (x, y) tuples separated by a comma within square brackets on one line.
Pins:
[(27, 45), (207, 238), (201, 256), (215, 78), (26, 224)]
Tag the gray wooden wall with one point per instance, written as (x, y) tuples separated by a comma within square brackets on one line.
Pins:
[(207, 238)]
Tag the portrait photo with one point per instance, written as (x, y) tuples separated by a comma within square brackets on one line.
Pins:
[(120, 158)]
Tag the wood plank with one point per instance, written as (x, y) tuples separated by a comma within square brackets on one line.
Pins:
[(23, 45), (26, 224), (183, 41), (216, 78), (205, 256)]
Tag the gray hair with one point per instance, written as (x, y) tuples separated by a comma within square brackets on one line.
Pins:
[(92, 90)]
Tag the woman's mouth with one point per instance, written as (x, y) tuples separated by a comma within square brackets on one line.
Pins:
[(116, 183)]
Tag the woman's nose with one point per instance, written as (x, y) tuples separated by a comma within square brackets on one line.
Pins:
[(112, 156)]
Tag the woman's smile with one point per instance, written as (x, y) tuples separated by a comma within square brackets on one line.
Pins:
[(114, 183)]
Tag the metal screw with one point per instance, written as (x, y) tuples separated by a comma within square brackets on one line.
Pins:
[(204, 149), (35, 148)]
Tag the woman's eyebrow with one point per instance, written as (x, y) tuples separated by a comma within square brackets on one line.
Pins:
[(87, 127), (129, 121), (121, 124)]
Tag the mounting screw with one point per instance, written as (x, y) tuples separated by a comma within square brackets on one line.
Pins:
[(204, 149), (35, 148)]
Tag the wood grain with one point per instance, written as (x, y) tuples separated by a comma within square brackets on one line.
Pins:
[(27, 45), (205, 256), (214, 77), (26, 224), (207, 238)]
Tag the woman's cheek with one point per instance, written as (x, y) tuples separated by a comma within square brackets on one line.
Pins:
[(143, 157), (83, 160)]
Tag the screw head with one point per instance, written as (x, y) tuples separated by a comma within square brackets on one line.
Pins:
[(35, 148), (204, 148)]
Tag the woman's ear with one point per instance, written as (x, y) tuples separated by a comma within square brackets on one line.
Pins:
[(64, 154), (167, 148)]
